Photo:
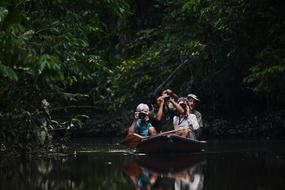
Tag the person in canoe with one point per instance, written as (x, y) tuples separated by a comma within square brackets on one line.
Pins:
[(164, 107), (141, 123), (186, 120), (192, 102)]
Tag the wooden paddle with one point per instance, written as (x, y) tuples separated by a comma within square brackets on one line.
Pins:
[(132, 140)]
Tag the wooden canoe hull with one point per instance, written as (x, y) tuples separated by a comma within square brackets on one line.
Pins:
[(170, 144)]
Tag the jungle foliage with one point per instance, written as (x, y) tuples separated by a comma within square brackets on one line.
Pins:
[(117, 52)]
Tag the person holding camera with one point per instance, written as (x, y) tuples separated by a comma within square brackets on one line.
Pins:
[(186, 121), (141, 123), (164, 109)]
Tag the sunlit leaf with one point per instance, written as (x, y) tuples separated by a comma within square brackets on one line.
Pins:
[(8, 72)]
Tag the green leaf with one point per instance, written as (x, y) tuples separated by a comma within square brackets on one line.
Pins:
[(28, 35), (40, 66), (8, 72)]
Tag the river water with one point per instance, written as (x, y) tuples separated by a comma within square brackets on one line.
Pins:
[(104, 164)]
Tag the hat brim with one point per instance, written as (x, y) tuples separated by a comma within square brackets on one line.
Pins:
[(193, 98)]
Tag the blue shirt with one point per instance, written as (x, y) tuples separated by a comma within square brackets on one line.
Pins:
[(142, 127)]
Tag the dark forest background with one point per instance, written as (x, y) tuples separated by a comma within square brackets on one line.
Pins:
[(99, 59)]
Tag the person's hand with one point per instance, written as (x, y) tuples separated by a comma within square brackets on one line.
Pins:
[(168, 91), (165, 96), (188, 110), (136, 115), (160, 100)]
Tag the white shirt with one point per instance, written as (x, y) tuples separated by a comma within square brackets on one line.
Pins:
[(185, 121)]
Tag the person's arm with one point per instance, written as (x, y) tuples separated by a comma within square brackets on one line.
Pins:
[(160, 108), (132, 128), (179, 109), (175, 125)]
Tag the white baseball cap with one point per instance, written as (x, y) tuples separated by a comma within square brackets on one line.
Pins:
[(193, 96), (142, 108)]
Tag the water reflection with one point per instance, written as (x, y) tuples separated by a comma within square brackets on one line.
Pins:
[(85, 171), (235, 168), (191, 178), (182, 172)]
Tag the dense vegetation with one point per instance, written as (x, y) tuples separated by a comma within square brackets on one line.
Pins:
[(112, 54)]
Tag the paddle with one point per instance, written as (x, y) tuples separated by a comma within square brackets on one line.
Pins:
[(132, 140)]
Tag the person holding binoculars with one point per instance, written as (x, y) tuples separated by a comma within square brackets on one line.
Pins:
[(186, 121), (164, 109)]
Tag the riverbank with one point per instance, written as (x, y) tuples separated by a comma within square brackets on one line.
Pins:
[(264, 125), (30, 133)]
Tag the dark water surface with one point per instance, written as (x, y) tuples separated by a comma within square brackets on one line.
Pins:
[(227, 165)]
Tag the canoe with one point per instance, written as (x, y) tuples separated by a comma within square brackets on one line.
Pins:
[(170, 144)]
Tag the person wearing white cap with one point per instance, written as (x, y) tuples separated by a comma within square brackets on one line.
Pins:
[(192, 102), (141, 124)]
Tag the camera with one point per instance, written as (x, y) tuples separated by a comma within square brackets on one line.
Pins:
[(183, 105), (141, 115)]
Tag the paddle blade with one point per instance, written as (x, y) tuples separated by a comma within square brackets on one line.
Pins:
[(132, 140)]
